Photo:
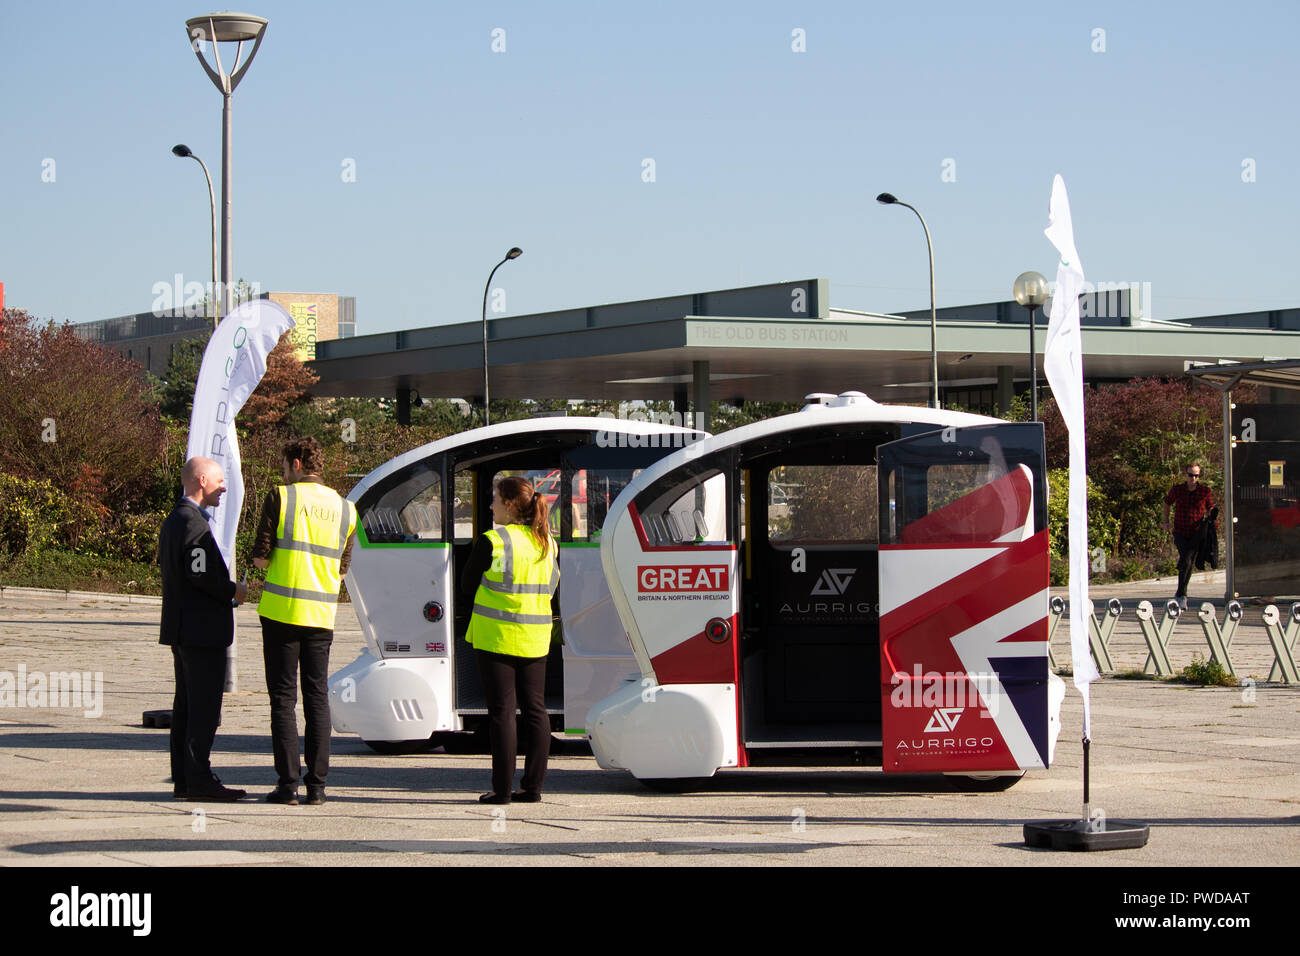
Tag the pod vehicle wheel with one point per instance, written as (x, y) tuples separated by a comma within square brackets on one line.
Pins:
[(983, 782)]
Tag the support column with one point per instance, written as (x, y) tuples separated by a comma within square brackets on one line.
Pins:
[(1005, 390), (1229, 529), (682, 405), (403, 406), (700, 394)]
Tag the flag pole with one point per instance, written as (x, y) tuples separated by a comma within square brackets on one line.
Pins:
[(1063, 364)]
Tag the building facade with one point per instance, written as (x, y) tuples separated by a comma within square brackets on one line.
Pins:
[(151, 338)]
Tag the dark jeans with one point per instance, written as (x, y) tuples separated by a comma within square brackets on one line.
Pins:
[(1186, 556), (196, 712), (506, 679), (286, 649)]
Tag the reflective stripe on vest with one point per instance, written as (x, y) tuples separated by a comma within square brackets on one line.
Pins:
[(512, 607), (302, 582)]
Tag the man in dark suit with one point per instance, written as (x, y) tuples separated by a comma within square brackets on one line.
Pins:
[(198, 623)]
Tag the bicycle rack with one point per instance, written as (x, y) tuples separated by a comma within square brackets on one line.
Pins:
[(1056, 609), (1220, 640), (1099, 632), (1284, 643), (1157, 637)]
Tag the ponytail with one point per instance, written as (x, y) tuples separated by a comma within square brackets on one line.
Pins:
[(540, 523), (528, 508)]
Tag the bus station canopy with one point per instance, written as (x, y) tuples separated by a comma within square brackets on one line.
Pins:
[(775, 342)]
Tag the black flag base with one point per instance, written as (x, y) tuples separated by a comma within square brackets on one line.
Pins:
[(157, 718), (1097, 834)]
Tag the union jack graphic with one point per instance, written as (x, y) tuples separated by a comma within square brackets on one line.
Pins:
[(965, 592)]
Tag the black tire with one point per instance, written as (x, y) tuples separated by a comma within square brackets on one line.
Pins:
[(675, 784), (397, 748), (979, 783), (466, 742)]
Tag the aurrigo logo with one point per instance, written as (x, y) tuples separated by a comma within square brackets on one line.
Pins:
[(943, 720), (834, 581), (677, 578)]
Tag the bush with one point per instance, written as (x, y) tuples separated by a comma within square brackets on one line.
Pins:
[(1103, 528), (71, 409), (32, 511), (1209, 673)]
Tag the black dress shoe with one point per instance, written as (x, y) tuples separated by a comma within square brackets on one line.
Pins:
[(315, 796), (218, 795), (526, 796), (178, 793), (494, 798), (283, 795), (215, 792)]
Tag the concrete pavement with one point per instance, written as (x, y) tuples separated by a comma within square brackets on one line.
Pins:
[(1215, 771)]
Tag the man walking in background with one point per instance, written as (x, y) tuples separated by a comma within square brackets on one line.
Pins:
[(303, 539), (198, 623), (1191, 502)]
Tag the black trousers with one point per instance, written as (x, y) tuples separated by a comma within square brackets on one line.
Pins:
[(196, 712), (506, 680), (288, 649), (1186, 557)]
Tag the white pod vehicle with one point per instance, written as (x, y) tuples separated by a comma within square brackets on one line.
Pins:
[(853, 583), (417, 678)]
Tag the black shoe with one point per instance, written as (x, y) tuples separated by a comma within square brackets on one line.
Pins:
[(315, 796), (178, 791), (286, 796), (494, 798), (526, 796), (215, 792)]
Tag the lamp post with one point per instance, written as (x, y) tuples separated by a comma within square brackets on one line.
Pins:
[(184, 152), (888, 199), (218, 28), (514, 253), (1031, 291)]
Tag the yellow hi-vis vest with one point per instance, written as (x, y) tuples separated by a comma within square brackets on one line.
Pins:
[(512, 608), (302, 582)]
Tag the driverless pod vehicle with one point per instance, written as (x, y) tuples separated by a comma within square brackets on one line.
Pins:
[(417, 679), (849, 584)]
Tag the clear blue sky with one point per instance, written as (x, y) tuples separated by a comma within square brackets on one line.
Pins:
[(767, 161)]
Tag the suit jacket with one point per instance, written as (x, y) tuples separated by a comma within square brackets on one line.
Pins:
[(196, 585)]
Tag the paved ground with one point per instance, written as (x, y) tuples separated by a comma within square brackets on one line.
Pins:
[(1215, 771)]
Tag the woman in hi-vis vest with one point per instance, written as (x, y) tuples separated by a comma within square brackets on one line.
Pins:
[(512, 575)]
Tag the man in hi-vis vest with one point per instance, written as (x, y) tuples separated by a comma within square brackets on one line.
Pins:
[(304, 539)]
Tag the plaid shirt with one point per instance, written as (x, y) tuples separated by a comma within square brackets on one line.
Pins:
[(1190, 506)]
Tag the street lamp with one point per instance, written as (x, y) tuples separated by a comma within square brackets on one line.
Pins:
[(888, 199), (184, 152), (217, 28), (514, 253), (1031, 291)]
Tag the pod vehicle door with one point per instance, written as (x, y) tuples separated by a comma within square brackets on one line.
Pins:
[(417, 677), (776, 578), (963, 583)]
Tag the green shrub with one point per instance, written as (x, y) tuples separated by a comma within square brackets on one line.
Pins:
[(1210, 673), (32, 511), (1103, 528)]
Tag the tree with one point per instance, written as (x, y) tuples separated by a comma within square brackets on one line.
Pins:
[(1139, 435), (176, 390), (286, 384), (71, 409)]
